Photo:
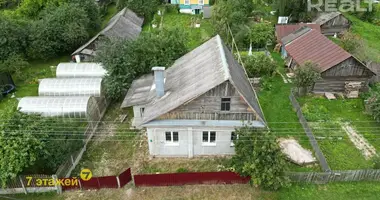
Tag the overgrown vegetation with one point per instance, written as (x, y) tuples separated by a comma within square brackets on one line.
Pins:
[(257, 154), (143, 8), (128, 60), (35, 144), (259, 65), (305, 76)]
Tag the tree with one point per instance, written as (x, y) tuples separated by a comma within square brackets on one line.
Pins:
[(261, 34), (297, 9), (259, 65), (128, 60), (258, 155), (13, 37), (306, 75), (35, 144), (354, 44), (143, 8), (60, 30), (231, 13), (13, 64), (374, 104)]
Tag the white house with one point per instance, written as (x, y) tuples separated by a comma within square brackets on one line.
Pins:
[(193, 107)]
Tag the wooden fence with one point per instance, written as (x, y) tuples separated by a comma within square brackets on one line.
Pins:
[(335, 176), (318, 153)]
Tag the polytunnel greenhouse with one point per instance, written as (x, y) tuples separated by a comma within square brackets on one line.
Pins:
[(70, 87), (80, 70), (72, 107)]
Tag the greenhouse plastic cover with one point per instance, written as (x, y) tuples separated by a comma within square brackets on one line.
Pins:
[(70, 87), (80, 70), (55, 106)]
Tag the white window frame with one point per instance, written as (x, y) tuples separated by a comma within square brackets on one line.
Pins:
[(237, 137), (171, 142), (188, 2), (208, 143), (201, 2)]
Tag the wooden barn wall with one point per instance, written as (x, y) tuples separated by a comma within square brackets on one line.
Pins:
[(349, 67), (337, 84), (208, 106), (336, 25)]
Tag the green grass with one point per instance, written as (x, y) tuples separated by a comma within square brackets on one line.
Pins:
[(370, 34), (111, 11), (340, 152), (279, 114), (195, 36)]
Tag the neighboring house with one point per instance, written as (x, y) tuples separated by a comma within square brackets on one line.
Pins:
[(193, 107), (125, 25), (287, 32), (332, 23), (191, 6), (335, 64)]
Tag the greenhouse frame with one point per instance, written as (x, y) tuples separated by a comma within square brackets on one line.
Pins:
[(70, 87), (72, 107), (80, 70)]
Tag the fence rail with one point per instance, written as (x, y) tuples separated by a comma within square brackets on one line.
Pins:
[(318, 153)]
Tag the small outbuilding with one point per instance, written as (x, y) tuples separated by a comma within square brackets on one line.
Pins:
[(124, 25), (71, 87), (73, 107), (80, 70), (332, 23), (337, 66)]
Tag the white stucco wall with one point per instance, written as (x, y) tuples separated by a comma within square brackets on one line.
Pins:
[(190, 142), (137, 119)]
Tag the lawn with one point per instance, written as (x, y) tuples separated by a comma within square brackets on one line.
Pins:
[(325, 117), (370, 34), (278, 111), (195, 36)]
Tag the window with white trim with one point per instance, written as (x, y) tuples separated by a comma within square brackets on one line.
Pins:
[(201, 2), (171, 137), (209, 137), (187, 2), (233, 138)]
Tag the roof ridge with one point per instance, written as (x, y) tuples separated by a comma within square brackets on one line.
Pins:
[(223, 57)]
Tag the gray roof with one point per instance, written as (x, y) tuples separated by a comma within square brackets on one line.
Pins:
[(289, 38), (192, 75), (125, 24), (325, 17)]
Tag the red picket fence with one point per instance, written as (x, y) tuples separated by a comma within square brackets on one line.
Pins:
[(192, 178)]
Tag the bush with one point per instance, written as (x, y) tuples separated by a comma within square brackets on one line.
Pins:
[(314, 112), (306, 75), (259, 65), (376, 162), (259, 156)]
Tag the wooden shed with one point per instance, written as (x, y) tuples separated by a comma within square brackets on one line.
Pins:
[(337, 66), (332, 23)]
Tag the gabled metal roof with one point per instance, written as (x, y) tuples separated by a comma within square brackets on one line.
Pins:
[(283, 30)]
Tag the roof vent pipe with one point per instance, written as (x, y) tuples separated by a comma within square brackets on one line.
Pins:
[(159, 80)]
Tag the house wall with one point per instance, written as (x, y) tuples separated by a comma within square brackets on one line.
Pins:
[(190, 142), (188, 9), (137, 116), (349, 67), (208, 106), (336, 25)]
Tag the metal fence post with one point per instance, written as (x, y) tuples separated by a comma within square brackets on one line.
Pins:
[(22, 184), (118, 181), (57, 186)]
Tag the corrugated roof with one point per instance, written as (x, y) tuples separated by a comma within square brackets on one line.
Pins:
[(325, 17), (289, 38), (315, 47), (125, 24), (286, 29), (192, 75)]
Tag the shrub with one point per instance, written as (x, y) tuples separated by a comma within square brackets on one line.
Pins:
[(259, 65), (314, 112), (182, 170), (306, 75), (376, 162)]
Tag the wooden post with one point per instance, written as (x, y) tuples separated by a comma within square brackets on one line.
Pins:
[(22, 184)]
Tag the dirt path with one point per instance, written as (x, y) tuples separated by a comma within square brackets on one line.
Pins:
[(359, 141)]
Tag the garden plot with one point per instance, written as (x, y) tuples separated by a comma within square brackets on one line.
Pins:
[(326, 118)]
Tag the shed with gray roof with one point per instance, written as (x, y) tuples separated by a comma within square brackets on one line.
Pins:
[(332, 23), (125, 25)]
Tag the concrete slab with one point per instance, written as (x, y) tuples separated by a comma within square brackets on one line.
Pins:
[(296, 153)]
